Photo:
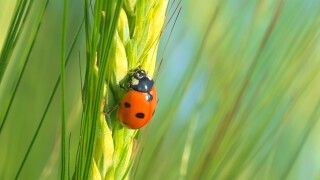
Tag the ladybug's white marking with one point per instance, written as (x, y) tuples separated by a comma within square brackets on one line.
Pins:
[(135, 81)]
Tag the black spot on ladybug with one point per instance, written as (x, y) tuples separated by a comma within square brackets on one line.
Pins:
[(140, 115), (127, 105)]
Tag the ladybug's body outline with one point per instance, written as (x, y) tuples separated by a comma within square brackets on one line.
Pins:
[(139, 103)]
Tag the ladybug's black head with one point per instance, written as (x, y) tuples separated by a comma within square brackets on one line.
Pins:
[(138, 74), (141, 82)]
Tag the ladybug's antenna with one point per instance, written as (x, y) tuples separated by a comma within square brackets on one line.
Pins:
[(166, 45), (111, 110)]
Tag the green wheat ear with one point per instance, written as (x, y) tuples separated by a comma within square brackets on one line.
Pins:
[(134, 44)]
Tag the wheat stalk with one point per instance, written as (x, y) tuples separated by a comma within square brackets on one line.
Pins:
[(134, 44)]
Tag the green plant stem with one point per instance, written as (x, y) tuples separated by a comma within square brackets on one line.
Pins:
[(99, 94), (48, 104), (18, 22), (6, 52), (63, 119)]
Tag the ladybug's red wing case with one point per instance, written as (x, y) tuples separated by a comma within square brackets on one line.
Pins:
[(154, 101), (135, 110)]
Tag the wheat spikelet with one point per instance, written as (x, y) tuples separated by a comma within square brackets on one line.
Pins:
[(135, 44)]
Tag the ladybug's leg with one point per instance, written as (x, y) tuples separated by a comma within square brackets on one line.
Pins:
[(111, 110), (123, 86), (131, 72)]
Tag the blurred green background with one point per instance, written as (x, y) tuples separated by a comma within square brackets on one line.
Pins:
[(238, 88)]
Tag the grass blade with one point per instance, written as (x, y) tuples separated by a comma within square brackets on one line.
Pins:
[(34, 137), (63, 118), (18, 22)]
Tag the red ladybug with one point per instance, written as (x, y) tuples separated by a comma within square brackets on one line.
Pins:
[(139, 103)]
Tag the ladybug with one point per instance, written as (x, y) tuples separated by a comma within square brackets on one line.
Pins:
[(139, 103)]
